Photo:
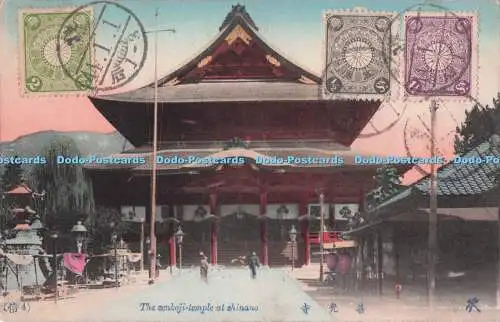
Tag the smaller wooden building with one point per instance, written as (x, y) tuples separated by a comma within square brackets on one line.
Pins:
[(394, 240)]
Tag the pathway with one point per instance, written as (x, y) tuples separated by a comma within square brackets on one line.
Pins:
[(230, 295)]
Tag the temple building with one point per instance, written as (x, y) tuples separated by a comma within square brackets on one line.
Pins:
[(246, 145)]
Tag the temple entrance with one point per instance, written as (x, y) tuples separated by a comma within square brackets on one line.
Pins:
[(239, 232)]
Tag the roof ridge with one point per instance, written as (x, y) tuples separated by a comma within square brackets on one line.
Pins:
[(237, 17), (479, 149), (238, 10)]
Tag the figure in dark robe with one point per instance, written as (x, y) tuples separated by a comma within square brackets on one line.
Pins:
[(253, 264), (203, 267)]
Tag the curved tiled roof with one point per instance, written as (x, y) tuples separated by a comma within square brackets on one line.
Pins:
[(469, 178), (220, 92), (248, 154), (454, 179), (228, 90), (20, 189)]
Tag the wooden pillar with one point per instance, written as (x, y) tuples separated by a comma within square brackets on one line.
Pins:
[(395, 243), (303, 211), (263, 229), (152, 239), (363, 250), (380, 258), (498, 246), (360, 269), (370, 251), (171, 242), (214, 228), (359, 264)]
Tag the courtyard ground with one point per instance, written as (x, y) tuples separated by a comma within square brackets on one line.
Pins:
[(276, 295), (451, 300)]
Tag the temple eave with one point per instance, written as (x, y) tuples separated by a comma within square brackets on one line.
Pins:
[(265, 159), (194, 170), (228, 91)]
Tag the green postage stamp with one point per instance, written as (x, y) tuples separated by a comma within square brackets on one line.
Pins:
[(48, 50)]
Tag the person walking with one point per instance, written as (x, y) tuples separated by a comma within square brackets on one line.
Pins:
[(203, 267), (158, 265), (253, 263)]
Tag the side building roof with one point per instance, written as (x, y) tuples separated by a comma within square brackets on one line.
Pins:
[(473, 180)]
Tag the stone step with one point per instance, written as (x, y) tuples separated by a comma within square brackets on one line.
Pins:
[(279, 253)]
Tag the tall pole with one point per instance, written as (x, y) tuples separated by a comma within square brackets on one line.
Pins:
[(116, 263), (152, 250), (153, 175), (171, 254), (3, 212), (36, 277), (293, 255), (79, 245), (433, 212), (321, 231), (55, 270), (180, 257), (498, 241), (142, 245)]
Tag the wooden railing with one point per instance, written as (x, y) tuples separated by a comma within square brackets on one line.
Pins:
[(328, 237)]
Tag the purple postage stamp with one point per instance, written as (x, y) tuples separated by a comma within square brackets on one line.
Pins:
[(439, 54)]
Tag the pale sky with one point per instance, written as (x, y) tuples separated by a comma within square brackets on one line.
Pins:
[(291, 26)]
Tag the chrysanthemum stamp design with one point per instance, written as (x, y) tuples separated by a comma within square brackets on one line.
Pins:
[(439, 55), (41, 69), (355, 50)]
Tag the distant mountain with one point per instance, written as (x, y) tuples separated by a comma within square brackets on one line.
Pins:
[(87, 142)]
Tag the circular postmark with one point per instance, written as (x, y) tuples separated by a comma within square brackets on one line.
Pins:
[(482, 158), (109, 43), (417, 140), (387, 117), (436, 50)]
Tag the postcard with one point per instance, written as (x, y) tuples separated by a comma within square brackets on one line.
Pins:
[(256, 161)]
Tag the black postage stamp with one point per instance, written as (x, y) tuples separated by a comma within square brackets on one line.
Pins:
[(355, 50)]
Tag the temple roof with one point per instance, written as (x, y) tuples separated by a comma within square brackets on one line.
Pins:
[(26, 210), (25, 226), (237, 54), (25, 237), (20, 190), (220, 92), (250, 156), (238, 67), (214, 145), (235, 11)]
